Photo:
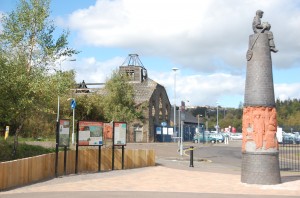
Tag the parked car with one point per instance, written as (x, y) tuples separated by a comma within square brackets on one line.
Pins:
[(296, 137), (287, 139), (215, 137), (199, 137), (290, 138), (236, 136)]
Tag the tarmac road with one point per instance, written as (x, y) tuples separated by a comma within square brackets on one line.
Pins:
[(216, 173)]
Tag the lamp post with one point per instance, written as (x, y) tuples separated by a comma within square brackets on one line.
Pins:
[(198, 135), (57, 119), (217, 117), (182, 118), (175, 69)]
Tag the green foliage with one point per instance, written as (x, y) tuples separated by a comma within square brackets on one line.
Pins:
[(227, 117), (118, 101), (89, 107), (24, 150), (28, 50), (28, 34), (288, 114)]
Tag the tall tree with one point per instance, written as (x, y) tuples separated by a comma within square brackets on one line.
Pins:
[(28, 50), (119, 99), (28, 34)]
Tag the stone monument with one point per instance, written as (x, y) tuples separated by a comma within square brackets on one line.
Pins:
[(260, 161)]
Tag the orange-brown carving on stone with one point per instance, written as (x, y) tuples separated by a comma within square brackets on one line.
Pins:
[(260, 126), (271, 140)]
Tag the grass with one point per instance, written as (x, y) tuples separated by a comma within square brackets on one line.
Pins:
[(24, 150)]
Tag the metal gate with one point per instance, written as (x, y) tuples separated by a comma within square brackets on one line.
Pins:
[(289, 156)]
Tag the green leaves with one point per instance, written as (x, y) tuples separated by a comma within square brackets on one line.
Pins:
[(119, 99), (28, 49), (29, 33)]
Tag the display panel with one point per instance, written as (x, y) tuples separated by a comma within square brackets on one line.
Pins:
[(120, 129), (90, 133), (64, 133)]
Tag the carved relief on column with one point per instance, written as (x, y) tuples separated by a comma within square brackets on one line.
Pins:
[(259, 129)]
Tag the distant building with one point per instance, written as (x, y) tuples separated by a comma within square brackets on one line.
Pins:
[(190, 124), (149, 94)]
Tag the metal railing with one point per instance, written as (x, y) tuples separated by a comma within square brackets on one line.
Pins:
[(289, 156)]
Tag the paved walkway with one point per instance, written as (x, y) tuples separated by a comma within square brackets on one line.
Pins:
[(172, 178)]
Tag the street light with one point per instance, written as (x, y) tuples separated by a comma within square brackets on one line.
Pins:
[(198, 135), (175, 69), (57, 119), (182, 118), (217, 117)]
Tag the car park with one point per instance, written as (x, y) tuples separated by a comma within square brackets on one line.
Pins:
[(290, 138), (198, 137), (236, 136), (216, 137), (287, 139)]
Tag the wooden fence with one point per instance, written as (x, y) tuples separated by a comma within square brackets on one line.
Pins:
[(29, 170)]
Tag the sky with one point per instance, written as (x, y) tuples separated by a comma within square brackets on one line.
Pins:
[(206, 40)]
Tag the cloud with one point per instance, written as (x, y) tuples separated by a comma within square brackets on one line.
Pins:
[(92, 71), (200, 35), (227, 89), (287, 91), (201, 89)]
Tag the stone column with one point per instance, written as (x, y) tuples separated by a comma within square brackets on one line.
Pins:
[(260, 162)]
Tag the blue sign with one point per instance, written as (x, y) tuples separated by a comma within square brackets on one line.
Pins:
[(163, 124), (73, 104)]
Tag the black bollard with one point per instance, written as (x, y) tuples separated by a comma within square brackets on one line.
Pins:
[(191, 156)]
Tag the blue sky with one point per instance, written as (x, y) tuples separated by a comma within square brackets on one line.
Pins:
[(207, 40)]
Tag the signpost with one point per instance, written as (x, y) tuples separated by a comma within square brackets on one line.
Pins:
[(73, 106), (119, 139), (89, 134)]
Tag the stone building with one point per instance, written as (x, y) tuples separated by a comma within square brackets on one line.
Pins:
[(147, 94)]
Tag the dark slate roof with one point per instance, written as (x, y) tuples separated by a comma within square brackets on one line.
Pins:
[(144, 90), (189, 118)]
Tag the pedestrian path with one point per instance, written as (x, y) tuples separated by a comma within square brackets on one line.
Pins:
[(160, 179), (171, 175)]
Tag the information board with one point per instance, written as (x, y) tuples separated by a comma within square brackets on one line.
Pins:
[(170, 131), (90, 133), (120, 129), (64, 132), (108, 131)]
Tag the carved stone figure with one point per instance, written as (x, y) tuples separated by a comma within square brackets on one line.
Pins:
[(260, 154), (259, 27)]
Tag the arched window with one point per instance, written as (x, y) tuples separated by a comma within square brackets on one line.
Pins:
[(160, 108), (167, 113), (153, 109)]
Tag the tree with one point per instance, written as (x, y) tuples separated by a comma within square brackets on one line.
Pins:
[(28, 50), (118, 99), (28, 34), (90, 107)]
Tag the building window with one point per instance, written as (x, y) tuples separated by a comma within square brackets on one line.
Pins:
[(167, 113), (153, 109), (130, 73), (160, 108)]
